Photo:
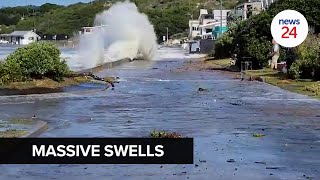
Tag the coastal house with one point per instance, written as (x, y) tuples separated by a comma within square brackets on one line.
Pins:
[(245, 10), (90, 30), (204, 30), (218, 30), (266, 3), (86, 30), (20, 37), (207, 23), (194, 30), (202, 27), (210, 24)]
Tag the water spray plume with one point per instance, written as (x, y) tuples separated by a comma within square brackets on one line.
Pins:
[(120, 32)]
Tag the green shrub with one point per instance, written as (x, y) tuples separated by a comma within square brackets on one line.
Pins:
[(258, 49), (34, 61), (224, 45), (252, 36), (308, 63)]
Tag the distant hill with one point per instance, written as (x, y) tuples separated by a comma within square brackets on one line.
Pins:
[(52, 19)]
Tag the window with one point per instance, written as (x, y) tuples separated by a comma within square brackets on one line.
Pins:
[(208, 30)]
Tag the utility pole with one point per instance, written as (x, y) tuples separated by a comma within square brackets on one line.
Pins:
[(220, 18), (167, 36), (34, 23)]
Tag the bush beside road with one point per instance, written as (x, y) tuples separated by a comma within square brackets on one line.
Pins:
[(276, 78), (38, 66)]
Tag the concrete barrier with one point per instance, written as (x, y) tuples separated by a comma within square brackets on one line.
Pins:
[(38, 128), (107, 65)]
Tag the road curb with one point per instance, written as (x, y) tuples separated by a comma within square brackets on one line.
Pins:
[(40, 127), (107, 65), (254, 78)]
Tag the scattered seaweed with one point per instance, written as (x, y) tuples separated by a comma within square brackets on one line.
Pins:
[(164, 134)]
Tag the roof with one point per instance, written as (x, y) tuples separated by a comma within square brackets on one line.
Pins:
[(248, 3), (4, 35), (19, 33), (87, 27), (206, 16), (210, 24)]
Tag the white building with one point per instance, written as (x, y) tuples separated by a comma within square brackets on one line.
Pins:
[(86, 30), (194, 30), (20, 37), (245, 10), (266, 3), (217, 16), (207, 24)]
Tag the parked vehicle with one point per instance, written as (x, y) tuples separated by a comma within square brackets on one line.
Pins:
[(4, 42)]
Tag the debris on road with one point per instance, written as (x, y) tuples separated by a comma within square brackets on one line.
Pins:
[(231, 161), (164, 134), (201, 89), (260, 162), (272, 167), (257, 135)]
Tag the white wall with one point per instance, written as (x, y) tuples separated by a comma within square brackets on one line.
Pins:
[(194, 28), (203, 11), (29, 38), (267, 3), (217, 14)]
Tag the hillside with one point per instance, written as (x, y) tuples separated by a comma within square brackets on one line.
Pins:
[(51, 19)]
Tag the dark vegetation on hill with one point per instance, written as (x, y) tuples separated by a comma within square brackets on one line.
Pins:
[(52, 19)]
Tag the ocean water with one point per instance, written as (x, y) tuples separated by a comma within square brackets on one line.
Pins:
[(69, 54)]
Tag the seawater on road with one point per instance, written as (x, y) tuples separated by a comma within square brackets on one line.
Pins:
[(153, 96)]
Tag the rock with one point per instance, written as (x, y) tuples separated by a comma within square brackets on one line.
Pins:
[(231, 161), (260, 162), (201, 89), (196, 165), (235, 104), (272, 168)]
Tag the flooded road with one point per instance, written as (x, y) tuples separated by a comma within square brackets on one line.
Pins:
[(154, 96)]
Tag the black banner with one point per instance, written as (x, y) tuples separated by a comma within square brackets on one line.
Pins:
[(96, 151)]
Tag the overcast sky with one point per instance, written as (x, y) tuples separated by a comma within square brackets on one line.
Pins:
[(6, 3)]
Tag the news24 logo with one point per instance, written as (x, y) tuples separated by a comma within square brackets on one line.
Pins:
[(289, 28)]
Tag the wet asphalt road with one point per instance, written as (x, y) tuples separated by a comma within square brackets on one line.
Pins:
[(153, 96)]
